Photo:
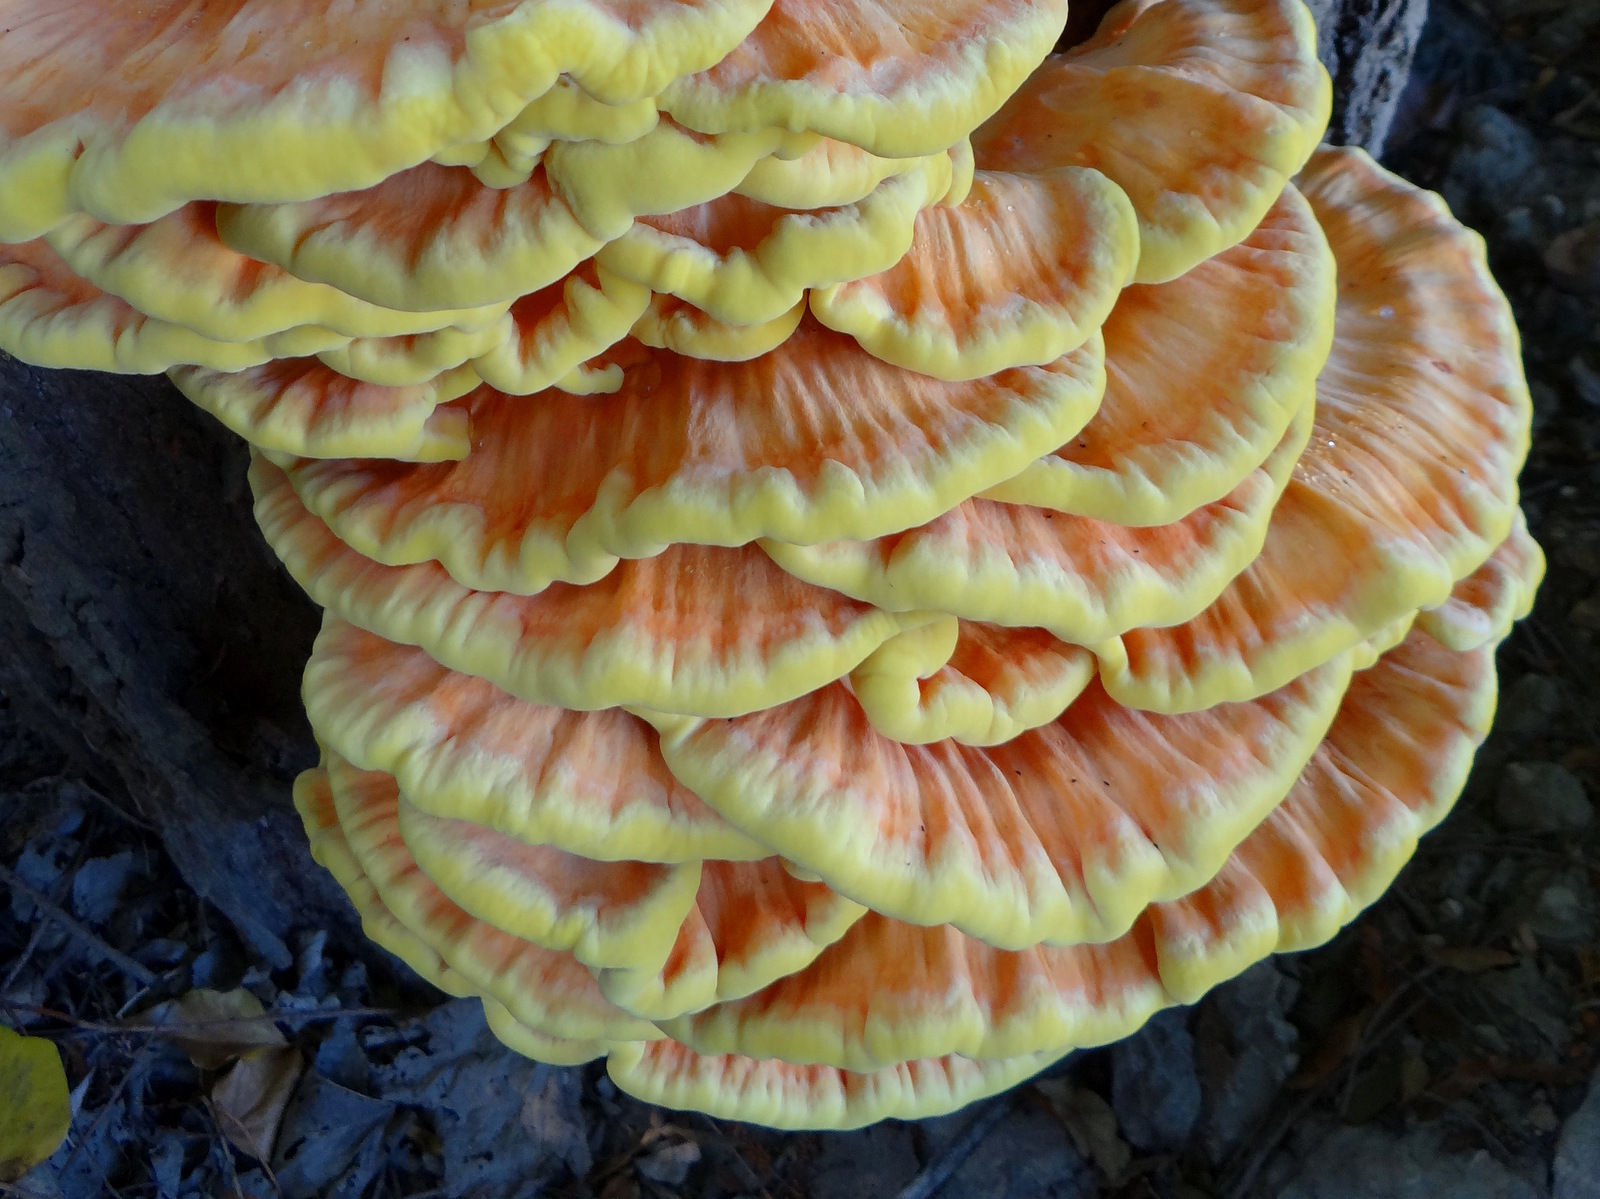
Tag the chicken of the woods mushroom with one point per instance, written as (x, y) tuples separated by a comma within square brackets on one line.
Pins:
[(861, 553)]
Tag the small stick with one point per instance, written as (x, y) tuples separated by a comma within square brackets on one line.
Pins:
[(182, 1026), (938, 1172), (122, 961)]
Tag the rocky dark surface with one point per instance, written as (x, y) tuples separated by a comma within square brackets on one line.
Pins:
[(1446, 1044)]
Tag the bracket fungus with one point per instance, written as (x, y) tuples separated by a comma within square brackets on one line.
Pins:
[(824, 510)]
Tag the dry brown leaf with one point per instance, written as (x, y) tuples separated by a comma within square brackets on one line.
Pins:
[(1337, 1044), (249, 1099), (214, 1027), (1469, 959)]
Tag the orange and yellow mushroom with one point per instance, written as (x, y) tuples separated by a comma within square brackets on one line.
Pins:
[(860, 554)]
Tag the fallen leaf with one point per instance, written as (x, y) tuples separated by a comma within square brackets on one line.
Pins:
[(1091, 1124), (1469, 959), (622, 1186), (214, 1027), (35, 1106), (1337, 1044), (249, 1099), (670, 1164)]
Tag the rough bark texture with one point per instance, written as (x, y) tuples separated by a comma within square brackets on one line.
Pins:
[(146, 629), (1368, 47)]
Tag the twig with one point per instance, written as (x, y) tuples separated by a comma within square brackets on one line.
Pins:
[(1264, 1146), (226, 1147), (186, 1026), (11, 1188), (938, 1172), (116, 957), (23, 958), (1371, 1034), (748, 1177), (50, 781), (105, 1110)]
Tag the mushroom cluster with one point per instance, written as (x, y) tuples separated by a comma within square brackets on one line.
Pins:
[(860, 553)]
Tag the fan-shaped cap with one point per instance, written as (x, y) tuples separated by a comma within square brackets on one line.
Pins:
[(1390, 765), (567, 113), (894, 76), (1081, 579), (673, 324), (779, 1094), (745, 261), (590, 783), (177, 269), (302, 407), (827, 174), (556, 330), (815, 440), (935, 991), (1393, 760), (752, 923), (436, 237), (735, 929), (1203, 374), (1062, 834), (126, 113), (1409, 480), (617, 914), (979, 684), (426, 238), (564, 113), (1485, 604), (1389, 769), (696, 631), (416, 358), (1022, 271), (1200, 110), (545, 989), (519, 1038), (313, 797), (51, 317)]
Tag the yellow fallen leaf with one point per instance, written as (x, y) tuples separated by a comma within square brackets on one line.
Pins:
[(35, 1107)]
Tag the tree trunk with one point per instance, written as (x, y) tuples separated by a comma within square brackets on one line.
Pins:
[(147, 630)]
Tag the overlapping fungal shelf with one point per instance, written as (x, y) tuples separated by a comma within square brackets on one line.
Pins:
[(860, 553)]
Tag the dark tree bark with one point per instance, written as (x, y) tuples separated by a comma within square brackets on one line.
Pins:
[(146, 629), (1368, 47)]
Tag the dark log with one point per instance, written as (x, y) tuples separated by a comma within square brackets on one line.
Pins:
[(145, 628), (1368, 47)]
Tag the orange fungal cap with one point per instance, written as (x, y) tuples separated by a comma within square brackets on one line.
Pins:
[(897, 77), (815, 440), (696, 631), (1200, 110), (1409, 479), (126, 112)]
